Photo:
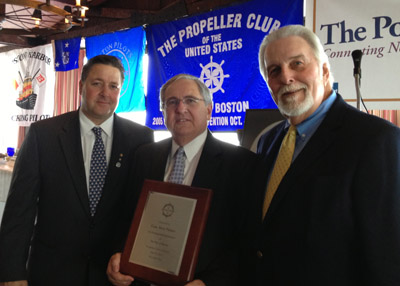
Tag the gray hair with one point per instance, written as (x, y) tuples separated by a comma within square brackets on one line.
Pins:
[(293, 30), (203, 89)]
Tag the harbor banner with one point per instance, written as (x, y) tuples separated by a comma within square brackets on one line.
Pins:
[(31, 78)]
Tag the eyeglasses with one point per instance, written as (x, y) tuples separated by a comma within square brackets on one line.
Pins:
[(173, 102)]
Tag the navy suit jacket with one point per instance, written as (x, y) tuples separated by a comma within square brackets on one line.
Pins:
[(335, 217), (46, 219), (227, 170)]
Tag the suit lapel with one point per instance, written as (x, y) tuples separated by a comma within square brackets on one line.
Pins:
[(160, 158), (272, 148), (154, 168), (321, 140), (71, 145), (209, 163), (117, 161)]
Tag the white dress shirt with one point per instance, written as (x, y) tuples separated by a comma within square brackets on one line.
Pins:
[(88, 138), (193, 152)]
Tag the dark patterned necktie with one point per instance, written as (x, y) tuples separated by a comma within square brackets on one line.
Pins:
[(177, 172), (98, 170)]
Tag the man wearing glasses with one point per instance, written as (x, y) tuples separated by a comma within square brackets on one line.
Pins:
[(209, 163)]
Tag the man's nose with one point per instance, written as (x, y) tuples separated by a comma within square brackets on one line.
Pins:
[(104, 90), (287, 76), (181, 107)]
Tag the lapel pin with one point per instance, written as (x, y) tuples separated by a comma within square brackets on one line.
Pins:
[(118, 164)]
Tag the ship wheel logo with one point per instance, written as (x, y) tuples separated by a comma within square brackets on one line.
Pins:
[(168, 210), (213, 75)]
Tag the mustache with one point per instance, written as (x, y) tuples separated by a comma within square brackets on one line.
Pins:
[(291, 88)]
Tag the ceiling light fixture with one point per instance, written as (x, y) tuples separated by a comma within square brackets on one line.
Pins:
[(82, 7), (37, 16), (68, 19), (78, 12)]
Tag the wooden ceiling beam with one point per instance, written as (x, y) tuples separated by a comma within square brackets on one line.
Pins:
[(115, 13), (2, 12), (13, 42), (37, 5), (93, 30), (202, 6), (105, 16)]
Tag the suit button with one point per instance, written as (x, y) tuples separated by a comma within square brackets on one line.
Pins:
[(259, 254)]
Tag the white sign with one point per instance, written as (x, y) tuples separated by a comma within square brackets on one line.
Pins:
[(372, 27)]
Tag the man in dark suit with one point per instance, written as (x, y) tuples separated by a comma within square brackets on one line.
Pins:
[(49, 235), (210, 163), (334, 218)]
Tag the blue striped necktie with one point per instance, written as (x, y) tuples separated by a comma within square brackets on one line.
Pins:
[(178, 170)]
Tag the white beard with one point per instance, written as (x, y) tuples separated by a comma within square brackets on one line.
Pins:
[(291, 106)]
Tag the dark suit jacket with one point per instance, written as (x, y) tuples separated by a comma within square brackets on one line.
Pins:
[(335, 218), (226, 169), (68, 246)]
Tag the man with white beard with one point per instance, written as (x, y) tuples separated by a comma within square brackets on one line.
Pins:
[(330, 210)]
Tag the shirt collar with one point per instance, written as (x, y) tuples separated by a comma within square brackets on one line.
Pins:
[(312, 122), (192, 147), (86, 124)]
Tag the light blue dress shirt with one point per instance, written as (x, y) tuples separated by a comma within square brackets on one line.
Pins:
[(307, 128)]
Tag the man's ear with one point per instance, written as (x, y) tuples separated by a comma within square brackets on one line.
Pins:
[(209, 111), (325, 73), (80, 87)]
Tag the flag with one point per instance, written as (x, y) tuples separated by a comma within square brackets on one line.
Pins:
[(67, 54), (30, 94), (221, 48)]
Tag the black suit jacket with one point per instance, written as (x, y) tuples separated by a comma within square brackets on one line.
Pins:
[(335, 218), (48, 207), (226, 169)]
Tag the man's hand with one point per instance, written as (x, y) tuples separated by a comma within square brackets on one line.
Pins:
[(15, 283), (195, 283), (116, 277)]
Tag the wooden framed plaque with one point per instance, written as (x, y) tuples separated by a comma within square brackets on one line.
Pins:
[(166, 232)]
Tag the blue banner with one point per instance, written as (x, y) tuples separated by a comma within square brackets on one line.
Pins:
[(67, 54), (129, 47), (221, 48)]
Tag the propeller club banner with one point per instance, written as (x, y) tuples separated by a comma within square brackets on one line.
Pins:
[(221, 48)]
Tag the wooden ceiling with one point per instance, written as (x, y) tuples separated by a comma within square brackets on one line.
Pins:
[(104, 16)]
